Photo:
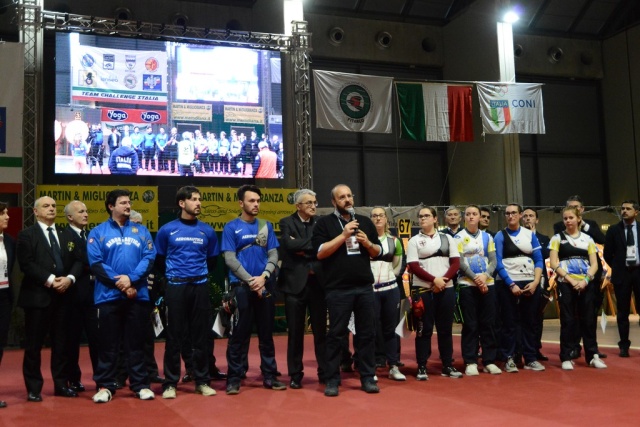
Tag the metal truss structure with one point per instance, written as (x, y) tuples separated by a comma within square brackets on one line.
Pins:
[(33, 21)]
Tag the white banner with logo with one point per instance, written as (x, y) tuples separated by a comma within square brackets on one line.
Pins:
[(353, 102), (114, 75), (511, 107)]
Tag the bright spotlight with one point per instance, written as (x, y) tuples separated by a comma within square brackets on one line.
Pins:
[(510, 17)]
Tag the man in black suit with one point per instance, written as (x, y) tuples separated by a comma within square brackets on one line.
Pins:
[(82, 310), (7, 259), (50, 267), (621, 253), (591, 228), (298, 280)]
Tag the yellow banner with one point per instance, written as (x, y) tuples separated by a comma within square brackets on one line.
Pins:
[(143, 200), (220, 205), (240, 114), (191, 112)]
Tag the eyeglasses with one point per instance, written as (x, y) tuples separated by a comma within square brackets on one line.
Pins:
[(513, 213), (374, 216), (310, 203)]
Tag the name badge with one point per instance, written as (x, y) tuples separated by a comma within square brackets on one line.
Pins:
[(353, 247)]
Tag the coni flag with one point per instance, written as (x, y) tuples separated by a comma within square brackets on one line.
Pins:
[(435, 111), (353, 102), (511, 107)]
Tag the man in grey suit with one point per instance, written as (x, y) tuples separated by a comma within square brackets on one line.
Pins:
[(298, 281), (621, 253), (47, 259)]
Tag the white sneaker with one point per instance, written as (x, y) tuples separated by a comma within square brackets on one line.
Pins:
[(510, 366), (567, 365), (205, 390), (102, 396), (169, 393), (395, 374), (534, 366), (145, 394), (471, 370), (596, 362), (492, 369)]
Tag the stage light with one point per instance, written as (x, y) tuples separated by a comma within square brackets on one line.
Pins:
[(510, 17)]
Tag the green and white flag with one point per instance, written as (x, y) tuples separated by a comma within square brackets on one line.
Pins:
[(353, 102)]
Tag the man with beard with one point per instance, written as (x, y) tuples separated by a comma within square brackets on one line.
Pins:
[(345, 243), (187, 252), (250, 251), (121, 254)]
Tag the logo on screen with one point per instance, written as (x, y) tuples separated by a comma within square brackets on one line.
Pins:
[(130, 62), (87, 61), (108, 62), (87, 78), (150, 116), (130, 81), (151, 82), (151, 64), (117, 115)]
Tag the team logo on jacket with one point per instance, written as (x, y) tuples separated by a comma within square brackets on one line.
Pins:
[(355, 102), (134, 229)]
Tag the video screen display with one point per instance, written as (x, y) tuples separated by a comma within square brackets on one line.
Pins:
[(131, 106)]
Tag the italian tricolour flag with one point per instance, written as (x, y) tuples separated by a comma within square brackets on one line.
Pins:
[(435, 111)]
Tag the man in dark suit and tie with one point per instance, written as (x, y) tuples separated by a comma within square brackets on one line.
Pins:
[(46, 258), (82, 310), (621, 253), (298, 280), (7, 259)]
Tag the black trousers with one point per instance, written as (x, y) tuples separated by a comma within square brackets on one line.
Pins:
[(251, 309), (518, 317), (577, 308), (82, 318), (479, 314), (312, 298), (341, 303), (631, 283), (5, 318), (39, 322), (188, 312), (122, 321), (438, 311)]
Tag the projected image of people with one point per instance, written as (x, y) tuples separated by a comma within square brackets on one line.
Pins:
[(124, 107)]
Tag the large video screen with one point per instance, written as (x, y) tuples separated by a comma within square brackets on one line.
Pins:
[(136, 107)]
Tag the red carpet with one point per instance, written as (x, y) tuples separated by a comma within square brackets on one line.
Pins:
[(585, 397)]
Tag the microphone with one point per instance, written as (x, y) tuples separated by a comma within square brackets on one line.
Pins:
[(352, 212)]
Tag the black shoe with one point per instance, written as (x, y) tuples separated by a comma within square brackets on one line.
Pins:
[(602, 355), (233, 388), (624, 352), (76, 386), (331, 390), (65, 392), (346, 367), (274, 384), (541, 357), (575, 354), (295, 384), (218, 375), (187, 378), (369, 387), (34, 397), (3, 404), (157, 379)]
